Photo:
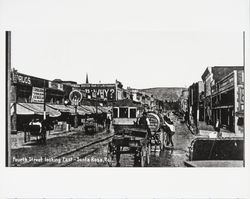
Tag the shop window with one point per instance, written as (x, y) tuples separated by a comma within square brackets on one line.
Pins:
[(115, 112), (132, 113), (123, 113)]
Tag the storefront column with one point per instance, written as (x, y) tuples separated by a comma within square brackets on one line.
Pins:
[(236, 104)]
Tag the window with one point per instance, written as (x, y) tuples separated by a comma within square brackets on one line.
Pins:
[(132, 113), (115, 112), (123, 112)]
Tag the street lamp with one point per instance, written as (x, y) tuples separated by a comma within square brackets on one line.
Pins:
[(75, 119)]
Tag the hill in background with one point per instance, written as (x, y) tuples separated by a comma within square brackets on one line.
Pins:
[(165, 93)]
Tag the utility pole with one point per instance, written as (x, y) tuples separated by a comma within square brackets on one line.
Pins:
[(75, 119)]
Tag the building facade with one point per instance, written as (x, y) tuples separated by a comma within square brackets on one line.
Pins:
[(195, 103), (224, 96)]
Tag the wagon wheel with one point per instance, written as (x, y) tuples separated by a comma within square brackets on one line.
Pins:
[(148, 154)]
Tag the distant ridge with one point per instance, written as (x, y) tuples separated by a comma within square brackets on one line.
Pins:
[(165, 93)]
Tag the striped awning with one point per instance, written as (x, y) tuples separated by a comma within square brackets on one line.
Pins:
[(80, 110), (20, 110), (35, 109), (69, 109), (91, 109), (61, 108), (105, 109)]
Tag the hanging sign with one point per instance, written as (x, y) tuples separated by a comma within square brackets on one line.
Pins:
[(37, 95), (75, 97)]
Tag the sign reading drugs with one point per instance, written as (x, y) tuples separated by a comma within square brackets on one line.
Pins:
[(37, 95), (99, 91)]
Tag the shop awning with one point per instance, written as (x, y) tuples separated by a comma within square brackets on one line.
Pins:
[(61, 108), (91, 109), (32, 109), (69, 109), (105, 109), (80, 110), (83, 110), (20, 110)]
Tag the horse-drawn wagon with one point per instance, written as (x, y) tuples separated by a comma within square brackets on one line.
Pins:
[(130, 137), (35, 130)]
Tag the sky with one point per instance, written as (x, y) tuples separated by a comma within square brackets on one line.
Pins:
[(143, 44)]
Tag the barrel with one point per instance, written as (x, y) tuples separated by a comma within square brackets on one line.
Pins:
[(155, 121)]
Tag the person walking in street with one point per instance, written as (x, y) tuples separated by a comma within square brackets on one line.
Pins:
[(217, 128), (108, 121), (144, 121), (68, 124), (170, 131)]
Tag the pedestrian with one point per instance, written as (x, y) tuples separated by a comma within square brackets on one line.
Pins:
[(217, 128), (144, 121), (108, 121), (186, 116), (170, 132), (68, 124)]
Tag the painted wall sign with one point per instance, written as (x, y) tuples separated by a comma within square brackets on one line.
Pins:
[(226, 83), (100, 91), (20, 78), (37, 95)]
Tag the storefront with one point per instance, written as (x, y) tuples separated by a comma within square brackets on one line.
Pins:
[(228, 102)]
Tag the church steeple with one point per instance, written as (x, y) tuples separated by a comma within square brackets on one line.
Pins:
[(87, 79)]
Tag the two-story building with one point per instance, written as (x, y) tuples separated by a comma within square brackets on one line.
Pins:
[(224, 96)]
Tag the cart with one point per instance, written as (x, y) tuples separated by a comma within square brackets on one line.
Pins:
[(131, 141), (129, 137), (34, 131)]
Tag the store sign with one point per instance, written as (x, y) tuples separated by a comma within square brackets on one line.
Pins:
[(55, 85), (20, 78), (99, 91), (226, 83), (75, 97), (37, 95)]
